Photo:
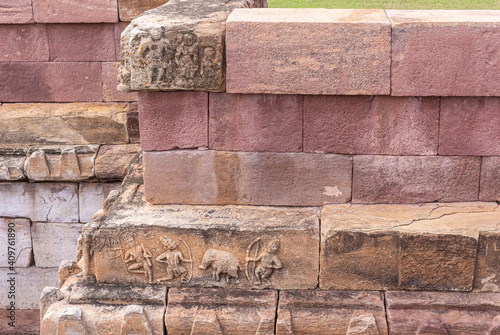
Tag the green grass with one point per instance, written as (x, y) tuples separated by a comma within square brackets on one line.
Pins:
[(388, 4)]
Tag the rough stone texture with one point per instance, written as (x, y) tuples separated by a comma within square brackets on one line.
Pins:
[(43, 202), (56, 163), (54, 242), (216, 311), (425, 246), (66, 270), (487, 270), (318, 51), (81, 42), (73, 124), (221, 177), (109, 83), (12, 163), (255, 122), (113, 161), (490, 179), (50, 81), (379, 125), (445, 53), (29, 284), (19, 242), (16, 11), (75, 11), (331, 312), (92, 196), (119, 28), (441, 313), (413, 179), (27, 322), (178, 46), (23, 42), (133, 124), (130, 9), (173, 120), (469, 126)]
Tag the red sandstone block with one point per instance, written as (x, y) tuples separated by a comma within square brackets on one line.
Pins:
[(470, 126), (380, 125), (16, 11), (414, 179), (169, 120), (308, 51), (81, 42), (490, 179), (110, 82), (445, 53), (119, 28), (24, 43), (130, 9), (45, 82), (255, 122), (75, 11)]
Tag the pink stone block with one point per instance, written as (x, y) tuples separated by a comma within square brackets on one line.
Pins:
[(81, 42), (490, 179), (16, 11), (414, 179), (255, 122), (470, 126), (445, 53), (75, 11), (119, 28), (24, 43), (171, 120), (110, 82), (45, 82), (308, 51), (380, 125)]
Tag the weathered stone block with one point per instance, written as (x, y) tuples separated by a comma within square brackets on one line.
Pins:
[(442, 312), (12, 163), (75, 11), (490, 179), (72, 124), (68, 163), (413, 179), (255, 122), (379, 125), (130, 9), (81, 42), (133, 124), (43, 202), (92, 196), (318, 51), (221, 177), (50, 81), (487, 270), (217, 312), (27, 322), (15, 237), (171, 120), (23, 42), (54, 242), (119, 28), (331, 312), (16, 11), (445, 53), (113, 161), (469, 126), (109, 83)]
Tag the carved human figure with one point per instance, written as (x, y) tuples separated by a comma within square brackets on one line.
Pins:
[(266, 261), (208, 62), (138, 258), (152, 50), (186, 57), (173, 259)]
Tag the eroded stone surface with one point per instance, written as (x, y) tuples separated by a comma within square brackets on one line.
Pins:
[(91, 198), (12, 164), (487, 271), (16, 233), (130, 9), (113, 161)]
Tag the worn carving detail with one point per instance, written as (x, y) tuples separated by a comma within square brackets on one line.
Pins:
[(222, 262), (12, 163), (138, 258), (263, 263), (173, 258)]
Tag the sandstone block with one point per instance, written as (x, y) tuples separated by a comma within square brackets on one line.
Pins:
[(75, 11), (43, 202), (15, 236), (110, 81), (487, 270), (68, 163), (133, 124), (54, 242), (27, 322), (12, 163), (81, 42), (221, 177), (379, 125), (173, 120), (29, 284), (318, 51), (130, 9), (50, 81), (469, 126), (63, 124), (490, 179), (92, 196), (256, 122), (413, 179), (23, 42), (441, 312), (464, 66), (119, 28), (331, 312), (216, 311), (16, 11), (113, 161)]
